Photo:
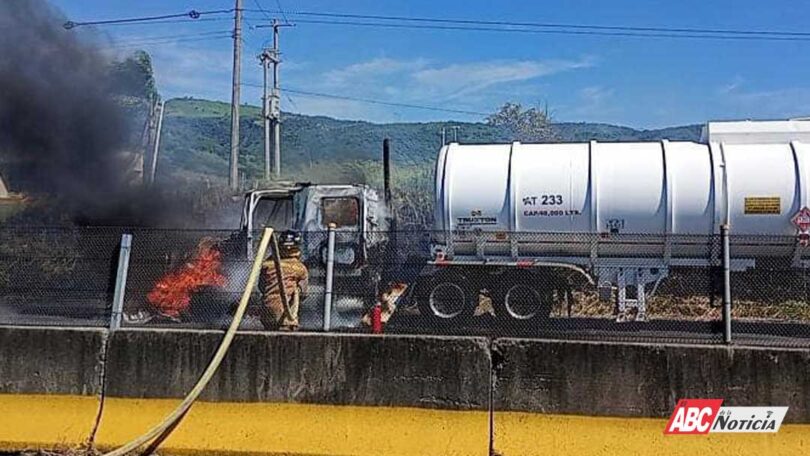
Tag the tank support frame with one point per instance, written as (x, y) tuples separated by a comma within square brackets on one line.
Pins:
[(610, 273), (638, 279)]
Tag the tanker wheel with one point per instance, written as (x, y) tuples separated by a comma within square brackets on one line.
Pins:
[(446, 296), (522, 299)]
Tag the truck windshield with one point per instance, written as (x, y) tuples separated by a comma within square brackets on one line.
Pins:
[(274, 212)]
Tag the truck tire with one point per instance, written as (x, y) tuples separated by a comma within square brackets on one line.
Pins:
[(522, 298), (446, 296)]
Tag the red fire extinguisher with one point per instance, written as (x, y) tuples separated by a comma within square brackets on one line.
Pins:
[(376, 319)]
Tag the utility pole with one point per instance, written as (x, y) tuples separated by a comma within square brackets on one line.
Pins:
[(147, 138), (156, 150), (233, 175), (275, 102), (3, 189), (271, 103), (266, 57)]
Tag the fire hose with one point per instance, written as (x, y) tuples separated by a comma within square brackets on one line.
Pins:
[(155, 436)]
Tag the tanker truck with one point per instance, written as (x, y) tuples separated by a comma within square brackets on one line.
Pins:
[(520, 222), (517, 219)]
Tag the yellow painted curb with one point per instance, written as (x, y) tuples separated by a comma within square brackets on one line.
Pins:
[(245, 428), (529, 434), (45, 421), (223, 428)]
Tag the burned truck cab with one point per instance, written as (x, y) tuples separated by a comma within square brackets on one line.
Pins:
[(359, 216)]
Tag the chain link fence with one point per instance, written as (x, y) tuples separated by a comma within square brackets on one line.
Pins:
[(185, 278), (57, 276), (577, 286), (574, 286), (771, 299)]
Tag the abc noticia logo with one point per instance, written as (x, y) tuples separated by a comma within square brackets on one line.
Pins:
[(702, 416)]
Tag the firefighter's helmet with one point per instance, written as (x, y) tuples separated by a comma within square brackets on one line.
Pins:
[(289, 243)]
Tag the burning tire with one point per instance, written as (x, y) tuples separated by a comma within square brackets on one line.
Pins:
[(198, 278), (446, 296)]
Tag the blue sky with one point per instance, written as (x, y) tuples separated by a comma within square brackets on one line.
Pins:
[(639, 82)]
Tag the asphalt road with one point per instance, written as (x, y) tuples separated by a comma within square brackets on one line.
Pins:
[(347, 312), (652, 331)]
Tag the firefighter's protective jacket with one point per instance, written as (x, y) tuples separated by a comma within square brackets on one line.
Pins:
[(296, 279)]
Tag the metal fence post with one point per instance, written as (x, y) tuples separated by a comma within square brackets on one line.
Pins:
[(724, 229), (330, 270), (120, 282)]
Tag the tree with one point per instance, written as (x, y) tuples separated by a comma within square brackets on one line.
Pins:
[(529, 125), (133, 77)]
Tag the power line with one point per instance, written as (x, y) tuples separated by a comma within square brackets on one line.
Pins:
[(266, 15), (193, 14), (556, 31), (179, 40), (264, 11), (377, 102), (170, 21), (553, 25), (385, 103), (146, 39), (455, 24), (283, 14)]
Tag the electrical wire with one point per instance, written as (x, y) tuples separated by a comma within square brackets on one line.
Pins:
[(170, 21), (192, 14), (551, 25), (264, 11), (137, 40), (283, 14), (179, 40), (372, 101), (555, 32), (455, 24), (266, 14)]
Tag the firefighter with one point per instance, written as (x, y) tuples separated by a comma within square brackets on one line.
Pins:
[(295, 275)]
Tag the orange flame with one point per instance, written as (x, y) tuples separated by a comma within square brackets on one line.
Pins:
[(172, 293)]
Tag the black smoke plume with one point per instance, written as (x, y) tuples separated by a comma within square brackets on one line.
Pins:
[(61, 130)]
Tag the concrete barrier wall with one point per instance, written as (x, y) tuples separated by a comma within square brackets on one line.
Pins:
[(584, 398), (51, 360), (280, 393), (450, 373), (636, 380), (440, 372)]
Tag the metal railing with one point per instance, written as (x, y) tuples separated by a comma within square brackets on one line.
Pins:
[(696, 289)]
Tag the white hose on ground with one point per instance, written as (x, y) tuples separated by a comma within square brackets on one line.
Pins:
[(161, 431)]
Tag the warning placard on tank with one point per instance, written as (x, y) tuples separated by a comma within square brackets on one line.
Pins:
[(763, 205)]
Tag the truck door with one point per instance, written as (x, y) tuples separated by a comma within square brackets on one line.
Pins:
[(276, 211)]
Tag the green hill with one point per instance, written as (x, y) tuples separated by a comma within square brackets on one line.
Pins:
[(582, 131), (196, 139)]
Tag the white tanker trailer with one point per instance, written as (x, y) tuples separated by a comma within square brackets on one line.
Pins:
[(623, 214)]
